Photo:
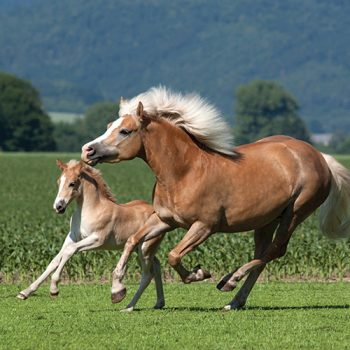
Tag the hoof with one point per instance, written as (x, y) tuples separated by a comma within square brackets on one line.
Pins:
[(54, 294), (223, 286), (234, 306), (201, 274), (22, 296), (119, 296), (127, 309), (159, 306)]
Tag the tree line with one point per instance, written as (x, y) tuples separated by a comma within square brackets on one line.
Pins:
[(263, 108)]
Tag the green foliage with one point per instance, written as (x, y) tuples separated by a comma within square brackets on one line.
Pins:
[(285, 316), (264, 108), (70, 137), (31, 233), (24, 125), (79, 52)]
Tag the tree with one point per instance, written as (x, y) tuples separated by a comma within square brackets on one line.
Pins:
[(97, 117), (24, 124), (70, 137), (264, 108)]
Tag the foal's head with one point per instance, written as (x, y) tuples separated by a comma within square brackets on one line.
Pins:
[(121, 141), (69, 184)]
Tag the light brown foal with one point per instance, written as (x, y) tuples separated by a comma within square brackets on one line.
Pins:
[(100, 223), (268, 186)]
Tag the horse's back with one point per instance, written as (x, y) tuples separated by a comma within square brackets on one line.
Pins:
[(303, 165)]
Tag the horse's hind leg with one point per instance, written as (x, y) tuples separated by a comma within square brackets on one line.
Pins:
[(276, 249), (262, 238)]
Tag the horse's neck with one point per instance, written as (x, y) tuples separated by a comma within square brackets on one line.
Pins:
[(169, 152)]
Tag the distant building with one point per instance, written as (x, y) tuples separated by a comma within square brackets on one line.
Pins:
[(323, 139)]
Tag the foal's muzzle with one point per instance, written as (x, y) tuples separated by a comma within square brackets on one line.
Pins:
[(60, 206)]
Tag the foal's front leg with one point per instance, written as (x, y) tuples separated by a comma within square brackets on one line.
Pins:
[(24, 294), (91, 242)]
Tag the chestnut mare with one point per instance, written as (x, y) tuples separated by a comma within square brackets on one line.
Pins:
[(99, 223), (206, 186)]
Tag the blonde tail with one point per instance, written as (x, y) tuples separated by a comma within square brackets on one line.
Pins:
[(335, 211)]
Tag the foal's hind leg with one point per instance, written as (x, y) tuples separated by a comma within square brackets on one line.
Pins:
[(262, 238), (150, 268)]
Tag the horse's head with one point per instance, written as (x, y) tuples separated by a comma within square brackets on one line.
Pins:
[(69, 184), (121, 141)]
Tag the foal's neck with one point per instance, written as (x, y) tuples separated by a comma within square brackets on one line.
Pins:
[(91, 196)]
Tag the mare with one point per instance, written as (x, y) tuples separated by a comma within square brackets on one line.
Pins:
[(99, 223), (205, 185)]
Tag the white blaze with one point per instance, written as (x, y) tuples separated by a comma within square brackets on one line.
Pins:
[(63, 180), (108, 132)]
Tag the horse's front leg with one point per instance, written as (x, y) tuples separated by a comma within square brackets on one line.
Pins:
[(152, 229), (91, 242), (197, 234), (24, 294)]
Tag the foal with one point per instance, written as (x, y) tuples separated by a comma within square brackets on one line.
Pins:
[(99, 223)]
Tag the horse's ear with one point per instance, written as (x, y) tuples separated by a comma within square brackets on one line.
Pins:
[(141, 113), (121, 101), (60, 164), (109, 125)]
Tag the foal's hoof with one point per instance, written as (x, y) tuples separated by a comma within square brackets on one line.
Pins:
[(54, 294), (22, 296), (119, 296)]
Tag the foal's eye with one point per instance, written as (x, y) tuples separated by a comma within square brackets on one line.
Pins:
[(71, 184), (125, 132)]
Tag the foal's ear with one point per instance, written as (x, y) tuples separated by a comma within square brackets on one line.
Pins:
[(60, 164), (109, 125), (121, 101)]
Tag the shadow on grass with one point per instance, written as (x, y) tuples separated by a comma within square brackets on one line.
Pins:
[(220, 309)]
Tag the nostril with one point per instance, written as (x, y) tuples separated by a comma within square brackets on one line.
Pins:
[(89, 150)]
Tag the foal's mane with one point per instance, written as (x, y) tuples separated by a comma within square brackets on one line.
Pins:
[(190, 112), (94, 176), (100, 183)]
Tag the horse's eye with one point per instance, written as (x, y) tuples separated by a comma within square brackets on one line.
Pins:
[(71, 184), (125, 132)]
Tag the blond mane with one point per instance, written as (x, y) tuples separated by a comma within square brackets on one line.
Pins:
[(190, 112)]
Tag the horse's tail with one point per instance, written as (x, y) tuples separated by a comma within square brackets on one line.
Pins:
[(334, 214)]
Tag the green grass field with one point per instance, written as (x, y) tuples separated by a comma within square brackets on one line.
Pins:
[(31, 233), (279, 316)]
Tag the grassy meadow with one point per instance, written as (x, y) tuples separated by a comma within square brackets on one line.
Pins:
[(282, 314), (31, 232), (279, 316)]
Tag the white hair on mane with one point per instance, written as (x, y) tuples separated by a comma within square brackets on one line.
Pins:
[(190, 112)]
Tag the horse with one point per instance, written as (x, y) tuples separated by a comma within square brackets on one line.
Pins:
[(205, 185), (99, 223)]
